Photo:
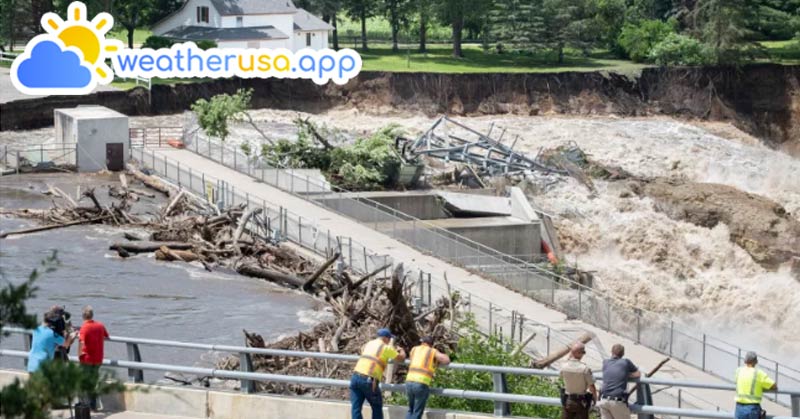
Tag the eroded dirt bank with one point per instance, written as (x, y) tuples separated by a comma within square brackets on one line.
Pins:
[(757, 224), (759, 99)]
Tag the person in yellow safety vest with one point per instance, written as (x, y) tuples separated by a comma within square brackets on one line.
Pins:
[(750, 385), (375, 355), (424, 359)]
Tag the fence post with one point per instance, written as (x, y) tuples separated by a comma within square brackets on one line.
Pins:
[(680, 399), (796, 405), (638, 326), (179, 173), (190, 179), (134, 355), (17, 162), (548, 339), (421, 288), (430, 296), (704, 352), (500, 386), (672, 335), (27, 342), (645, 398), (41, 153), (490, 317), (246, 365)]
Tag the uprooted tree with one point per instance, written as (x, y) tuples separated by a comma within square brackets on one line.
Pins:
[(215, 115)]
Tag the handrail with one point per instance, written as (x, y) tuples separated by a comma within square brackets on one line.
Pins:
[(346, 357), (329, 382), (516, 263)]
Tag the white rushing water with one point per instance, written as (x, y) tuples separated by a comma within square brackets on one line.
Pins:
[(645, 259)]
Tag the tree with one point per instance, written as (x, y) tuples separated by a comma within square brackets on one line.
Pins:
[(396, 12), (215, 115), (722, 24), (518, 23), (638, 40), (162, 9), (361, 10), (424, 10), (677, 49), (130, 14), (455, 13), (54, 380)]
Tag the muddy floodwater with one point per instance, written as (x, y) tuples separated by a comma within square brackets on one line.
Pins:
[(139, 296)]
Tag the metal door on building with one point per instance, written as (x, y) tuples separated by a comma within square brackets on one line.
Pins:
[(115, 157)]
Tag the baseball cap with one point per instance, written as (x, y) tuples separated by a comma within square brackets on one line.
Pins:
[(385, 333)]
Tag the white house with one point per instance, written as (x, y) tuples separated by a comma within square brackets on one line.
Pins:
[(245, 24)]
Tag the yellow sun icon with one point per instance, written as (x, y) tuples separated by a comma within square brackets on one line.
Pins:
[(88, 37)]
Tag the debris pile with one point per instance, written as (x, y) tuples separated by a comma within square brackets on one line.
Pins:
[(360, 311)]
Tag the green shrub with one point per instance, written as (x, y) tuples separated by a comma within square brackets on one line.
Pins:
[(678, 49), (367, 164), (474, 348), (206, 44), (638, 40), (157, 42)]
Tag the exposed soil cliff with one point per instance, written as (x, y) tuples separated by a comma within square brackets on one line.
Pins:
[(757, 224), (760, 99)]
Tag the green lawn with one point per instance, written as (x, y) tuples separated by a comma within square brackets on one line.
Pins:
[(783, 52), (139, 35), (439, 59)]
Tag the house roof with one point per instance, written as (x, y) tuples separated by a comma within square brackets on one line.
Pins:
[(253, 7), (199, 33), (304, 21)]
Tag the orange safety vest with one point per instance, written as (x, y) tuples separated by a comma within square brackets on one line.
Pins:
[(423, 365), (371, 362)]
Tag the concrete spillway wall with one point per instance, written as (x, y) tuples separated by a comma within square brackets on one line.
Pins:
[(212, 404)]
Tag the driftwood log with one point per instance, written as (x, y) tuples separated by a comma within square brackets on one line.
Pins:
[(555, 356), (149, 181), (149, 247)]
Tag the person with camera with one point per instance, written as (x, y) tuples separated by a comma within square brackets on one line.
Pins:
[(45, 341), (62, 326)]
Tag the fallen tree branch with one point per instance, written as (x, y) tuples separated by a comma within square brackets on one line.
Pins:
[(256, 271), (53, 227), (310, 281), (147, 247)]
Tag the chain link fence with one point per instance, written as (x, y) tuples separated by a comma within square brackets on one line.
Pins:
[(578, 301)]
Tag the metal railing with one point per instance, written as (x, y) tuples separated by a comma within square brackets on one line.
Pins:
[(8, 56), (58, 154), (510, 326), (136, 367), (154, 136), (650, 329)]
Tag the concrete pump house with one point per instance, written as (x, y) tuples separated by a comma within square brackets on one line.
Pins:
[(101, 135)]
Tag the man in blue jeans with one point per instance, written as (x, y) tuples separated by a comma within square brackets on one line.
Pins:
[(365, 383), (424, 360), (750, 385)]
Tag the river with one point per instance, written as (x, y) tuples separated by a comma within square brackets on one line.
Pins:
[(139, 296)]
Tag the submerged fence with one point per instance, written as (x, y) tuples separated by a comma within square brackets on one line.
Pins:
[(39, 157), (653, 330)]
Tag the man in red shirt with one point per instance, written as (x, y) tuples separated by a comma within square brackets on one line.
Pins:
[(90, 349)]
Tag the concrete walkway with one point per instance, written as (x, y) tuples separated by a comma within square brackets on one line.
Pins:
[(644, 357)]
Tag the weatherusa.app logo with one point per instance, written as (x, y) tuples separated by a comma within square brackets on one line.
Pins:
[(70, 58)]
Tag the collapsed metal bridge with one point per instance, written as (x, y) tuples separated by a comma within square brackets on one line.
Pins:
[(453, 141)]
